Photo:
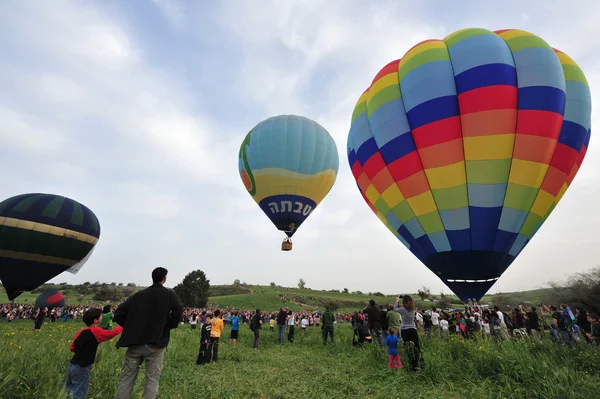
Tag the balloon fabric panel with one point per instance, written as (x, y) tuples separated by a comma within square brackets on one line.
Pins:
[(465, 145), (50, 299), (41, 236), (288, 164)]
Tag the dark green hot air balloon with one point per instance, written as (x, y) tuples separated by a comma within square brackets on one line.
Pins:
[(41, 236)]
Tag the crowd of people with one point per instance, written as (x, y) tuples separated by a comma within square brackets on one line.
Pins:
[(145, 319)]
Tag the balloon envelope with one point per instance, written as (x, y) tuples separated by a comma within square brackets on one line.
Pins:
[(464, 147), (288, 164), (41, 236), (50, 299)]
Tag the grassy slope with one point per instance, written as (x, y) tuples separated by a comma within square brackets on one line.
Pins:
[(268, 298), (33, 365)]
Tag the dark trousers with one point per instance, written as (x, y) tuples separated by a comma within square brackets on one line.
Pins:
[(213, 349), (327, 331), (290, 333), (203, 354), (256, 338), (413, 350)]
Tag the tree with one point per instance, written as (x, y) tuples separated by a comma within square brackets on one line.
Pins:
[(193, 291), (236, 282), (444, 301), (580, 290), (272, 284), (301, 284), (345, 290), (424, 293)]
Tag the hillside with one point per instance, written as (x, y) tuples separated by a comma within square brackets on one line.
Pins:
[(243, 296)]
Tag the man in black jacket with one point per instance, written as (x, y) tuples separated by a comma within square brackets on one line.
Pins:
[(147, 318)]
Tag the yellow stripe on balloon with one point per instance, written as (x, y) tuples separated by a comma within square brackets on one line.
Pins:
[(418, 49), (271, 181), (527, 173), (47, 229), (481, 148), (513, 33), (542, 203), (391, 79), (4, 253)]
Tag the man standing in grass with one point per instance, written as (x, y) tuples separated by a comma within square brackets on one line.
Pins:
[(327, 327), (235, 328), (281, 319), (147, 318)]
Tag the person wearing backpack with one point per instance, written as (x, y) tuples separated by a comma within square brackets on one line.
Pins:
[(256, 325)]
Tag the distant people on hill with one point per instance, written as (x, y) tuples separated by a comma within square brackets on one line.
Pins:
[(147, 318)]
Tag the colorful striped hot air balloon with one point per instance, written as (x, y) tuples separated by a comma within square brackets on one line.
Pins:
[(41, 236), (288, 164), (465, 145)]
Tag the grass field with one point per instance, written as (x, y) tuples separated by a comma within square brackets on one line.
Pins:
[(33, 365)]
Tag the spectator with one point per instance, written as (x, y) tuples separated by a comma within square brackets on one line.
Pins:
[(147, 318)]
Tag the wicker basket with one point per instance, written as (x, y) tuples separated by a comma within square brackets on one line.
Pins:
[(286, 246)]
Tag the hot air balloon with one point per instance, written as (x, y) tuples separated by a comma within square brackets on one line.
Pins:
[(465, 145), (288, 164), (41, 236), (50, 299)]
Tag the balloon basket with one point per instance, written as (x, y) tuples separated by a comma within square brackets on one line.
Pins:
[(286, 246)]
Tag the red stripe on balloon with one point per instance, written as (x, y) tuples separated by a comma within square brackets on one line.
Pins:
[(488, 98)]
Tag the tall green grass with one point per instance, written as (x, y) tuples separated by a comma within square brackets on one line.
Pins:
[(33, 365)]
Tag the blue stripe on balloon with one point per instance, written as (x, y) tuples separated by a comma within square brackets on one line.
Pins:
[(460, 240), (402, 145), (486, 195), (486, 75), (387, 121), (539, 67), (414, 227), (479, 50), (579, 103), (512, 219), (455, 219), (360, 131), (484, 222), (366, 151), (432, 111), (542, 98), (503, 241), (572, 135), (440, 241), (428, 82)]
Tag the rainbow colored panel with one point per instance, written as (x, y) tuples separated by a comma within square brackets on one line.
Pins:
[(288, 164), (465, 145)]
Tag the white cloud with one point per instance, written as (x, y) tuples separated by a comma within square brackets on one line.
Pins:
[(143, 125)]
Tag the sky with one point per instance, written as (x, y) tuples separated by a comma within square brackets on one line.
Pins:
[(137, 110)]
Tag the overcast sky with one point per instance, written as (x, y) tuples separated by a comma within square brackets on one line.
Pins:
[(137, 109)]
